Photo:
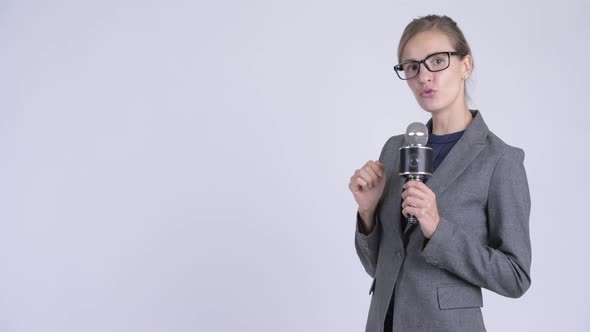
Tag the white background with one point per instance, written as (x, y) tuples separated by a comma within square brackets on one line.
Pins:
[(183, 166)]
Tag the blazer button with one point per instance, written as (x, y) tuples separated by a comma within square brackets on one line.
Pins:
[(429, 259)]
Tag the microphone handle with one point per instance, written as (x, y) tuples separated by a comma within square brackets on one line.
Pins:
[(416, 177)]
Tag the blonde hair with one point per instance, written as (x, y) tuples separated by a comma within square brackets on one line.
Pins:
[(443, 24)]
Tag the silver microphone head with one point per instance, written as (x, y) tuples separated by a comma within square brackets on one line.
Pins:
[(416, 134)]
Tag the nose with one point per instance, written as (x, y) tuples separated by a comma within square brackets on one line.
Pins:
[(424, 75)]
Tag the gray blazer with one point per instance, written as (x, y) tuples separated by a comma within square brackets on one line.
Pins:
[(482, 239)]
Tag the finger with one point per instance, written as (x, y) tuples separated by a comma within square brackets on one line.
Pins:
[(378, 168), (411, 184), (381, 166), (415, 183), (359, 184), (352, 185), (424, 203), (413, 202), (419, 190), (406, 211), (421, 186), (409, 210), (370, 168), (365, 175), (414, 192)]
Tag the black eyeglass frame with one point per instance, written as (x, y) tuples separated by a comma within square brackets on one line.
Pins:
[(399, 67)]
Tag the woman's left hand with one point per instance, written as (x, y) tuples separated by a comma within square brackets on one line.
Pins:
[(420, 201)]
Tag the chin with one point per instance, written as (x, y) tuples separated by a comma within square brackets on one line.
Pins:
[(430, 108)]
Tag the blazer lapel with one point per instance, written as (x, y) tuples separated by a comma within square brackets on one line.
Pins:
[(461, 155)]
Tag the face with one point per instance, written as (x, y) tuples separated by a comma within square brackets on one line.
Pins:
[(443, 90)]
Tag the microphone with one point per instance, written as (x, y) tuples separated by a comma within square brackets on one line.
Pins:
[(415, 158)]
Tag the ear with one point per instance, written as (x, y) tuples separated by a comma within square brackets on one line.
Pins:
[(467, 66)]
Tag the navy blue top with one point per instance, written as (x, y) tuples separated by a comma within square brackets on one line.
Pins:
[(441, 145)]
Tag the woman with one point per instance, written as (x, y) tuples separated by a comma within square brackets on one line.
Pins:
[(473, 213)]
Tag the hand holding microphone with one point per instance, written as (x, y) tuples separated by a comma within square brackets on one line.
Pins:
[(415, 164), (419, 201)]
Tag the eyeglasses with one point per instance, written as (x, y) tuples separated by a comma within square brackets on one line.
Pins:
[(434, 62)]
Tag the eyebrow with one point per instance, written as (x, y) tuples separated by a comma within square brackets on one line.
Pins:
[(427, 55)]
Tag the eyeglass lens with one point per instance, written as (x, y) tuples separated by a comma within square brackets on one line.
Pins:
[(434, 62)]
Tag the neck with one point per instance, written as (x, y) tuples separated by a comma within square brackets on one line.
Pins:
[(451, 121)]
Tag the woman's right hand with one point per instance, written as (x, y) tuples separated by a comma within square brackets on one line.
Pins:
[(366, 185)]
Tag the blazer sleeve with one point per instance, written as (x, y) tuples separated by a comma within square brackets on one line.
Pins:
[(503, 265), (367, 245)]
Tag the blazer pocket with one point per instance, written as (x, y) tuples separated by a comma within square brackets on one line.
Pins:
[(458, 296)]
